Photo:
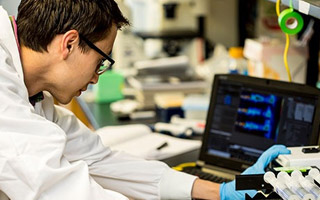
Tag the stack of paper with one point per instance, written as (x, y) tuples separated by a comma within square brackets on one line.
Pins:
[(145, 92), (140, 141)]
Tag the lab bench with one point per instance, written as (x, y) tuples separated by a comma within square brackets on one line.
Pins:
[(100, 115)]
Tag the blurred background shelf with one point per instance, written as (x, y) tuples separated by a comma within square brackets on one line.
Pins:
[(310, 10), (313, 6), (169, 34)]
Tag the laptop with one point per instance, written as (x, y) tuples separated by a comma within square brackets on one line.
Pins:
[(247, 115)]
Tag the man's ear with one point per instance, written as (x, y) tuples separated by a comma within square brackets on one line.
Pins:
[(69, 42)]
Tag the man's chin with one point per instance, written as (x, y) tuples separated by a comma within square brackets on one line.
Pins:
[(64, 100)]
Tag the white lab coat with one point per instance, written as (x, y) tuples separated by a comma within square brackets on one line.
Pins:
[(46, 153)]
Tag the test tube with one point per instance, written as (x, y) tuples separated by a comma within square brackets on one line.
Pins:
[(306, 184), (315, 174), (294, 186), (281, 189)]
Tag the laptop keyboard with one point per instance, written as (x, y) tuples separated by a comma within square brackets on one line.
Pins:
[(204, 175)]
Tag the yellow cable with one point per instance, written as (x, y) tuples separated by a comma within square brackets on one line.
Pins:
[(285, 54), (183, 165), (278, 7)]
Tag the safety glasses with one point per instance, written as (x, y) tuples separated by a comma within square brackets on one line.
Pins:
[(106, 63)]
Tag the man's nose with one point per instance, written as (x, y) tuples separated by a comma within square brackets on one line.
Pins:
[(94, 79)]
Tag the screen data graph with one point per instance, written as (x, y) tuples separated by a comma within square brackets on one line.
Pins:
[(246, 119), (258, 114)]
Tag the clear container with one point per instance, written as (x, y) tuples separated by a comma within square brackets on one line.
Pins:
[(237, 63), (196, 106)]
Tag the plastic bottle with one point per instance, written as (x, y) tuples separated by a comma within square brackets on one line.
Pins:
[(281, 189), (294, 186), (306, 183), (315, 174), (237, 63)]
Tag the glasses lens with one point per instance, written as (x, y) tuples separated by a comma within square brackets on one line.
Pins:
[(104, 66), (106, 63)]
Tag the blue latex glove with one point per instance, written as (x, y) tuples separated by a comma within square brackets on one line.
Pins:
[(228, 191)]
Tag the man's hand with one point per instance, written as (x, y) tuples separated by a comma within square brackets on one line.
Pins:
[(265, 158), (227, 190), (205, 190), (208, 190)]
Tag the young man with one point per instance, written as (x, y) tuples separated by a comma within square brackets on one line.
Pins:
[(57, 49)]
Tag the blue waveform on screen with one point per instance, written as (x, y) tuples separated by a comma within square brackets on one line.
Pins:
[(253, 126), (250, 111), (268, 113), (257, 127), (258, 98), (256, 112)]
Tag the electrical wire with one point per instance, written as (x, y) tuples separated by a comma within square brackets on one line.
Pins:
[(278, 7), (285, 53), (183, 165), (285, 57)]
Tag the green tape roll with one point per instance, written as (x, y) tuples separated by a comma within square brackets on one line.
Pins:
[(290, 22)]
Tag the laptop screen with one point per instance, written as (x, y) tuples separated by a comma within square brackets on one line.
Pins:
[(247, 115)]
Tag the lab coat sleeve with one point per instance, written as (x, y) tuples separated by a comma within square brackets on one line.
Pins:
[(32, 161), (118, 171)]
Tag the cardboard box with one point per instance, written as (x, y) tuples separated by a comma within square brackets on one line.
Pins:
[(266, 60)]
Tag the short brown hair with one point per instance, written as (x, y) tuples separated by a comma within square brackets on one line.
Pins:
[(39, 21)]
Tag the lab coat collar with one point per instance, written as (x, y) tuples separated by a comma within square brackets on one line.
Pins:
[(7, 38)]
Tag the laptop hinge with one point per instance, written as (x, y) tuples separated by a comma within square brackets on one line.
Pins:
[(200, 163), (222, 169), (222, 172)]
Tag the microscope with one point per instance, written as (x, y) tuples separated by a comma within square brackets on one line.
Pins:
[(169, 21), (162, 46)]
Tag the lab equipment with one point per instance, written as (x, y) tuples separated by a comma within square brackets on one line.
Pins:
[(173, 129), (300, 157), (310, 179), (280, 188), (227, 190), (178, 66), (167, 105), (167, 27), (311, 150), (244, 136), (237, 63), (124, 107), (196, 125), (315, 174), (195, 106), (306, 184), (295, 186), (166, 15), (146, 89), (231, 153), (266, 158)]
